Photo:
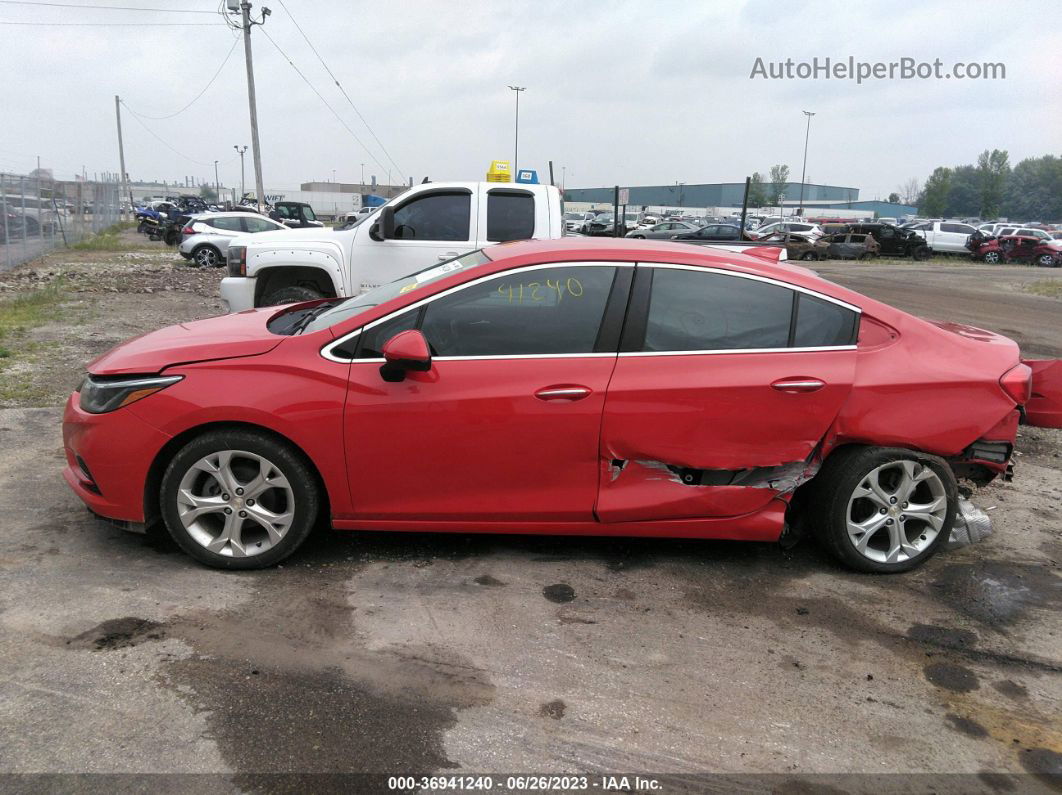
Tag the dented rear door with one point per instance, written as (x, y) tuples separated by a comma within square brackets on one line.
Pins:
[(724, 386)]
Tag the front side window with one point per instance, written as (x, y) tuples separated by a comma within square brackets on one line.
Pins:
[(535, 312), (435, 216), (510, 216), (691, 311)]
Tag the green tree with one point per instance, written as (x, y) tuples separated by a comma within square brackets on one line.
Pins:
[(207, 193), (757, 195), (779, 181), (934, 198), (1034, 190), (894, 198), (993, 168), (964, 192)]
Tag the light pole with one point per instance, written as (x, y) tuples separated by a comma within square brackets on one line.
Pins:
[(804, 168), (333, 176), (363, 175), (241, 150), (217, 183), (516, 143)]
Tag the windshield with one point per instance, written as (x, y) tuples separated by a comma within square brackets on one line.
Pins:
[(350, 307), (573, 216)]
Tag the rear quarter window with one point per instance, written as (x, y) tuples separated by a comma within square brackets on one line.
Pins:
[(510, 216), (823, 324)]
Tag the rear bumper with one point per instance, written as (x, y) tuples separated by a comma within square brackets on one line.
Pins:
[(108, 457), (238, 293)]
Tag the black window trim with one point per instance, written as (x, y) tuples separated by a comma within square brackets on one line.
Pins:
[(633, 338), (617, 296)]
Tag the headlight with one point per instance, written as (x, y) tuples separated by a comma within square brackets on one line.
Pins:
[(101, 394), (237, 260)]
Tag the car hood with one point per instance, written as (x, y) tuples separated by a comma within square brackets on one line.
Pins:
[(224, 337), (316, 233)]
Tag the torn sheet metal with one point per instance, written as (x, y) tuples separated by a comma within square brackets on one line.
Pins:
[(1044, 408), (971, 525), (645, 489)]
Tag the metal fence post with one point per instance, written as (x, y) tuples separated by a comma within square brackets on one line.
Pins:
[(7, 235), (25, 231)]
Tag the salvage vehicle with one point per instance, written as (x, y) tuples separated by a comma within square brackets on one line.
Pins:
[(894, 241), (297, 215), (1015, 248), (711, 233), (846, 245), (662, 231), (571, 387), (799, 247), (945, 237), (808, 230), (428, 223), (205, 239)]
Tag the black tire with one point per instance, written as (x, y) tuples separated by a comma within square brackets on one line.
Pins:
[(993, 257), (171, 238), (1047, 261), (291, 295), (141, 227), (207, 257), (922, 253), (833, 487), (807, 256), (286, 460), (637, 237)]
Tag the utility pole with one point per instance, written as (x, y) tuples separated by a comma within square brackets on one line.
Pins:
[(516, 144), (363, 175), (256, 151), (122, 182), (217, 183), (804, 168), (241, 150)]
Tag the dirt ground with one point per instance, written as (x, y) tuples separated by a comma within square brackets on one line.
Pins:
[(703, 664)]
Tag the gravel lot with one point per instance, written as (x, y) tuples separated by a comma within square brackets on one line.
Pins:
[(408, 654)]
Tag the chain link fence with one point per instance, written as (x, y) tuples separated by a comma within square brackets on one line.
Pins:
[(39, 214)]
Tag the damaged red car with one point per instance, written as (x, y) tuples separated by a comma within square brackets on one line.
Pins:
[(601, 387)]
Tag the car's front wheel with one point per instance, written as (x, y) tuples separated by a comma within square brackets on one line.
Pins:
[(993, 257), (922, 253), (883, 510), (237, 499)]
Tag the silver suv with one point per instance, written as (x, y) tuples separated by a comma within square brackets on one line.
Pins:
[(206, 237)]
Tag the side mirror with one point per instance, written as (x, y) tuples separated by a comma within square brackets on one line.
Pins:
[(406, 351), (384, 228)]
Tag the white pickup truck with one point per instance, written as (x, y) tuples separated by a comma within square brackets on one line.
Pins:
[(948, 237), (428, 223)]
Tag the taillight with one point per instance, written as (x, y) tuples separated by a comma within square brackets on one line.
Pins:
[(1017, 383), (237, 260), (188, 231)]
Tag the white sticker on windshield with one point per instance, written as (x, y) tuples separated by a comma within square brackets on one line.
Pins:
[(434, 273)]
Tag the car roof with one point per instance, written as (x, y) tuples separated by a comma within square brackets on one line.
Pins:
[(623, 249)]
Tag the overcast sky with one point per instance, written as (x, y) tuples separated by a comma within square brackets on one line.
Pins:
[(634, 93)]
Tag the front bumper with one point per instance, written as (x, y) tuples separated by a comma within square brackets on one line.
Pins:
[(238, 293), (108, 457)]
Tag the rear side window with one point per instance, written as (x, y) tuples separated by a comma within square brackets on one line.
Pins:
[(821, 323), (252, 224), (229, 224), (691, 311), (510, 216), (545, 311), (435, 216)]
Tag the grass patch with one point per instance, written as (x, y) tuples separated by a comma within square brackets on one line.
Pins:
[(21, 313), (107, 239), (1052, 288)]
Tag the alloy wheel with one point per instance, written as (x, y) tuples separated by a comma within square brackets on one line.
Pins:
[(896, 511), (235, 503), (206, 257)]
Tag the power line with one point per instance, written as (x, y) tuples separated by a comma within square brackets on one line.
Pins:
[(343, 90), (103, 8), (113, 24), (325, 101), (197, 96), (152, 133)]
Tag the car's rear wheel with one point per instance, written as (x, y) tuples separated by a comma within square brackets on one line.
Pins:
[(883, 510), (207, 257), (808, 255), (236, 499), (1047, 261), (292, 294)]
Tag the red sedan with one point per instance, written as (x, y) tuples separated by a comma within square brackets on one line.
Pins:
[(605, 387)]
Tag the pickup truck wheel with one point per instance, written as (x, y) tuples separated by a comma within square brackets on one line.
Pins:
[(291, 295), (883, 510), (207, 257)]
